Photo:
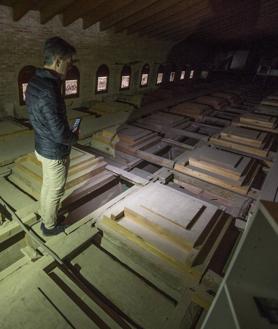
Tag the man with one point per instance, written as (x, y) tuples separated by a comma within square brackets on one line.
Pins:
[(53, 136)]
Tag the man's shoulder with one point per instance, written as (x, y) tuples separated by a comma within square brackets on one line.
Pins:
[(41, 86)]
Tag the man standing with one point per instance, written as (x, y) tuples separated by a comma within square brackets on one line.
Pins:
[(53, 136)]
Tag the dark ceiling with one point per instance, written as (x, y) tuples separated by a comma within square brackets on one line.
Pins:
[(175, 20)]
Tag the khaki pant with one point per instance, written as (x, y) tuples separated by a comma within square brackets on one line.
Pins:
[(55, 174)]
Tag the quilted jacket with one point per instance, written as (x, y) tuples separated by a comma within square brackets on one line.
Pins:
[(47, 114)]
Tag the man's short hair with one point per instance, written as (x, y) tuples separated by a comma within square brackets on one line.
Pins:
[(56, 46)]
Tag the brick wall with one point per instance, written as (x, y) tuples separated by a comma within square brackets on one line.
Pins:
[(21, 44)]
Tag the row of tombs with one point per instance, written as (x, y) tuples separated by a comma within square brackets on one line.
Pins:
[(165, 191)]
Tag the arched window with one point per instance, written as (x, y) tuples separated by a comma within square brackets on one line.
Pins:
[(160, 74), (204, 74), (191, 75), (24, 76), (125, 77), (72, 83), (145, 75), (172, 74), (102, 79), (182, 74)]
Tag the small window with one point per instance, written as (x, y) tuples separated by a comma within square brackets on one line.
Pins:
[(172, 73), (182, 76), (264, 69), (159, 78), (102, 79), (172, 76), (191, 75), (72, 83), (160, 74), (125, 77), (24, 76), (204, 74), (145, 75)]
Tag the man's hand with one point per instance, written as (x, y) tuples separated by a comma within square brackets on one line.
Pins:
[(76, 135), (75, 131)]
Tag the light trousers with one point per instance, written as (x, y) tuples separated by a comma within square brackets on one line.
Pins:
[(55, 174)]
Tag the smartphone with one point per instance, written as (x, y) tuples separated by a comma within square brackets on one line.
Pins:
[(76, 124)]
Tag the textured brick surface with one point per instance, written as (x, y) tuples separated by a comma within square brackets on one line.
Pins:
[(21, 44)]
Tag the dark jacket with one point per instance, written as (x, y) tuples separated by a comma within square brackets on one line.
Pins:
[(47, 113)]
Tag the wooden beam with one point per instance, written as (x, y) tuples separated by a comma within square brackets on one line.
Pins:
[(191, 15), (185, 28), (53, 8), (216, 24), (156, 18), (146, 12), (179, 34), (78, 9), (176, 21), (127, 175), (216, 21), (176, 39), (268, 14), (228, 36), (155, 159), (221, 29), (220, 33), (181, 9), (127, 11), (174, 36), (177, 143), (102, 11), (220, 24), (8, 3), (21, 7), (207, 35), (228, 23), (182, 27)]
